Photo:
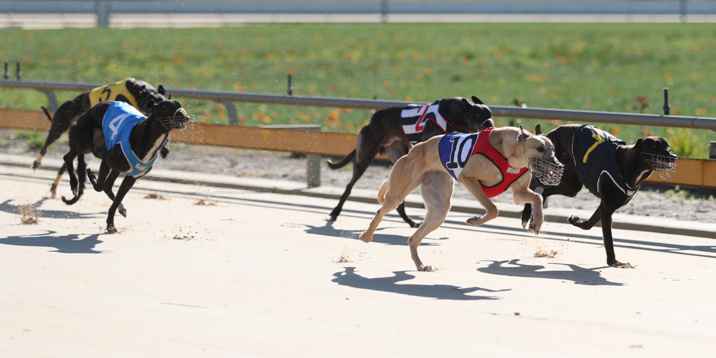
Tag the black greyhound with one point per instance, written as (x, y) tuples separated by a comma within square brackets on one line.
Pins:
[(610, 169), (100, 131), (135, 92), (385, 133)]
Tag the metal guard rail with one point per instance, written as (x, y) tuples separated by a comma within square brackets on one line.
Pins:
[(227, 99)]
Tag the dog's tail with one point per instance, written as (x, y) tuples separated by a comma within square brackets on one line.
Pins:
[(382, 191), (348, 158), (74, 199), (47, 113)]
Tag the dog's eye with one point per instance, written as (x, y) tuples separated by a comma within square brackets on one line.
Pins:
[(540, 149)]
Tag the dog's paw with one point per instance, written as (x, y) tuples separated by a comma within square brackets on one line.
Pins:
[(122, 210), (618, 264), (428, 268), (576, 221), (91, 176), (111, 229), (474, 221), (366, 237), (35, 165), (534, 227), (164, 152), (414, 225)]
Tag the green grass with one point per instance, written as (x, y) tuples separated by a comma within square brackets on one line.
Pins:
[(35, 139), (602, 67)]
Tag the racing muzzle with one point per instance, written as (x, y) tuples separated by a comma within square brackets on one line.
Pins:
[(663, 165), (546, 171), (488, 123), (178, 121)]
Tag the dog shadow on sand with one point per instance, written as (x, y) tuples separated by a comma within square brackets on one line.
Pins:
[(9, 208), (401, 240), (395, 284), (576, 274), (66, 244)]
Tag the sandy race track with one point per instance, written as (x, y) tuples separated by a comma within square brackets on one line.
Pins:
[(200, 271)]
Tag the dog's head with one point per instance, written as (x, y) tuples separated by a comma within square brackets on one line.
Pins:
[(657, 154), (540, 152), (169, 113), (148, 94), (479, 116)]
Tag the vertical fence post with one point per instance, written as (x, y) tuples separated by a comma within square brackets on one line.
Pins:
[(231, 112), (667, 108), (384, 10), (313, 169), (102, 11), (7, 74)]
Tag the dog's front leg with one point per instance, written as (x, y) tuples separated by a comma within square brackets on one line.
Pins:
[(522, 194), (586, 224), (106, 183), (127, 184), (473, 186), (98, 182)]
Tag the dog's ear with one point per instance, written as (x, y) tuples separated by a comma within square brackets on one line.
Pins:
[(160, 89), (465, 103), (637, 145), (538, 129), (521, 137), (476, 100), (151, 105)]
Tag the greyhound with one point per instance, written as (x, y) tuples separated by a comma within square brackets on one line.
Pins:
[(395, 130), (610, 169), (505, 155), (125, 140), (135, 92)]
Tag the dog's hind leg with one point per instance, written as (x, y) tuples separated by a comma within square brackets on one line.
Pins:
[(65, 115), (403, 179), (58, 178), (126, 185), (364, 155), (386, 207), (436, 191), (401, 211), (38, 161), (69, 166), (76, 184), (394, 152)]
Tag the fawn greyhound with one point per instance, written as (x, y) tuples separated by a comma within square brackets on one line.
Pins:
[(487, 163)]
